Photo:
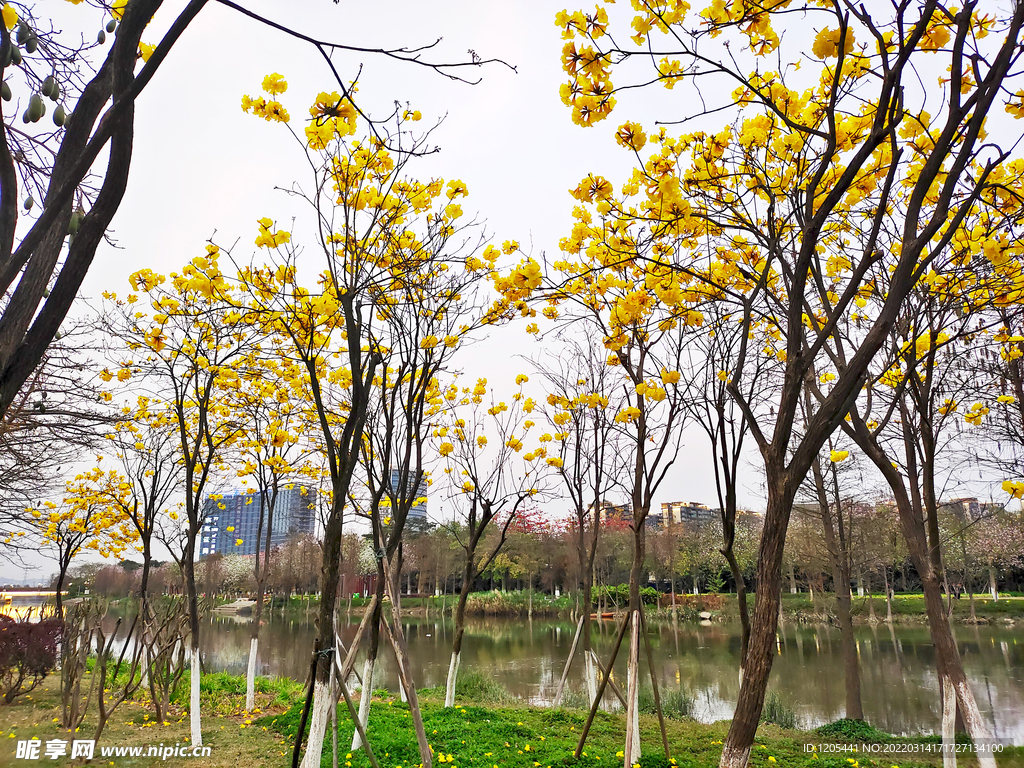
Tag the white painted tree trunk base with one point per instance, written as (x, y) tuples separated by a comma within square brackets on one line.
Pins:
[(145, 662), (734, 758), (320, 716), (976, 726), (250, 676), (632, 751), (453, 675), (194, 721), (591, 672), (948, 723), (364, 702)]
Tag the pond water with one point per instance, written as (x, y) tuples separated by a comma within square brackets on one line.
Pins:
[(898, 681)]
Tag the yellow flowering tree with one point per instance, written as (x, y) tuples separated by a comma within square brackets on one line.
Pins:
[(187, 342), (379, 320), (583, 437), (82, 520), (428, 319), (490, 474), (829, 140), (56, 201), (270, 403), (147, 475), (709, 371), (913, 406), (644, 313)]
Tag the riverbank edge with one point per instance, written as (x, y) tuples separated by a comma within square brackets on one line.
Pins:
[(908, 609)]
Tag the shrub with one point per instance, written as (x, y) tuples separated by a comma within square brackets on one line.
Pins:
[(475, 686), (675, 703), (573, 698), (28, 653), (851, 730), (618, 595), (514, 603), (777, 711)]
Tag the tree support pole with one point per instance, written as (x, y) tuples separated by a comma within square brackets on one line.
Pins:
[(568, 662), (600, 690), (654, 682), (611, 683)]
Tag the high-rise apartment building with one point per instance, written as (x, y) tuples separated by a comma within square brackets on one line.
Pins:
[(678, 512), (231, 524), (418, 512)]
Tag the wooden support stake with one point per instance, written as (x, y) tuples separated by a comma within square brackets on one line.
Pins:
[(568, 662), (397, 640), (611, 683), (350, 657), (354, 714), (600, 689), (632, 689), (654, 682)]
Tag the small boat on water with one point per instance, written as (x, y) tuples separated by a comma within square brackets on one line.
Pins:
[(606, 615)]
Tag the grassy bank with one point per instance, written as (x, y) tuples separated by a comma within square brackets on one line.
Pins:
[(906, 608), (231, 733), (489, 728)]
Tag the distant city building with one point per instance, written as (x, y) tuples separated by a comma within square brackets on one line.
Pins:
[(623, 513), (294, 513), (679, 512), (418, 512), (672, 513), (615, 512), (970, 509)]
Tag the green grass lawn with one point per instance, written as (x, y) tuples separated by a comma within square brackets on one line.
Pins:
[(473, 735), (488, 729)]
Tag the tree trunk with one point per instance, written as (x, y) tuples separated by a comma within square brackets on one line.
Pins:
[(371, 660), (837, 545), (254, 641), (951, 667), (61, 574), (631, 754), (792, 580), (194, 722), (741, 601), (193, 622), (320, 664), (460, 630), (761, 648), (948, 722), (992, 587)]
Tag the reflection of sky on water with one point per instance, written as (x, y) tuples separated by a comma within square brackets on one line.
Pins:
[(898, 682)]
